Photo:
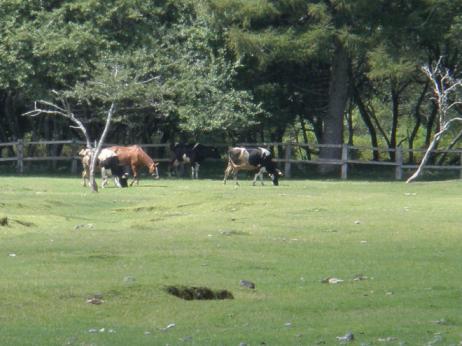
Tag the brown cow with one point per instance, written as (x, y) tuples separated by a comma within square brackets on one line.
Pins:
[(135, 157)]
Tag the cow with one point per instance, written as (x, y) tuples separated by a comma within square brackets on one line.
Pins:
[(107, 159), (85, 157), (252, 159), (119, 172), (135, 157), (192, 154)]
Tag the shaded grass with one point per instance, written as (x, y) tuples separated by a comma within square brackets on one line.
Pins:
[(404, 238)]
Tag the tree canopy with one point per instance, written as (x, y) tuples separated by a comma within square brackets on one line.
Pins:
[(329, 71)]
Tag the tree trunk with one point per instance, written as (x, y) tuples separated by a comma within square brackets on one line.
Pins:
[(333, 121), (418, 122), (365, 116)]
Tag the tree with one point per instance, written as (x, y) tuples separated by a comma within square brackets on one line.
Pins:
[(64, 110), (446, 93)]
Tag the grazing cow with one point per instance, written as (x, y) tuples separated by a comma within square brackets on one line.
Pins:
[(119, 171), (193, 154), (135, 157), (107, 159), (252, 159)]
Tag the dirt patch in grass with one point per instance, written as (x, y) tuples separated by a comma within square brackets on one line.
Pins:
[(25, 223), (198, 293), (3, 221), (231, 232)]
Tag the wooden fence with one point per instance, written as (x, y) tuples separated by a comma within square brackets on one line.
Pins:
[(287, 155)]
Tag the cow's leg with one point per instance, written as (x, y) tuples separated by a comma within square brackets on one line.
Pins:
[(259, 174), (195, 170), (236, 183), (173, 167), (228, 171), (255, 178), (103, 177), (135, 176), (84, 177), (262, 170)]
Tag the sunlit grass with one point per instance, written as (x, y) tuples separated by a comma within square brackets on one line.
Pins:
[(64, 244)]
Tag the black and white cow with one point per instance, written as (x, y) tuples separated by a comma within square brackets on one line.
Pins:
[(120, 172), (252, 159), (192, 154)]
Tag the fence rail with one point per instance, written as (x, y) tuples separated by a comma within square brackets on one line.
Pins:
[(286, 155)]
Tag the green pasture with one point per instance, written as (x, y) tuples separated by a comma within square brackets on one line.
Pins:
[(396, 247)]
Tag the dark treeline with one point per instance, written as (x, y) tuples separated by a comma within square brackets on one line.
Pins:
[(328, 71)]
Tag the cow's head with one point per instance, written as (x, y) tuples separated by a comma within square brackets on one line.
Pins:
[(154, 170), (275, 176)]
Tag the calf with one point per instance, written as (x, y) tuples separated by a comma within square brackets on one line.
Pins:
[(85, 157), (252, 159), (193, 154)]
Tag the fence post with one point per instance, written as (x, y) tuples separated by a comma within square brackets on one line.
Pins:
[(74, 150), (20, 156), (344, 173), (399, 163), (287, 164)]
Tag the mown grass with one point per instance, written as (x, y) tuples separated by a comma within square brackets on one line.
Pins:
[(64, 244)]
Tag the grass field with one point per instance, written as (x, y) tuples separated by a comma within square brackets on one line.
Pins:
[(396, 246)]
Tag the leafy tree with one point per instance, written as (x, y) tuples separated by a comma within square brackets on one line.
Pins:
[(68, 45)]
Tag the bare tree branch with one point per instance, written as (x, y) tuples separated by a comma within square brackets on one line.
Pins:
[(49, 108), (444, 85)]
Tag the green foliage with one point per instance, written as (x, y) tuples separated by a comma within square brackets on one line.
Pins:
[(233, 68), (389, 64), (154, 58)]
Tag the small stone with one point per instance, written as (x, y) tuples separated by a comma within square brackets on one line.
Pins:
[(129, 280), (171, 325), (346, 338), (246, 283), (332, 281), (95, 300), (387, 339), (360, 277)]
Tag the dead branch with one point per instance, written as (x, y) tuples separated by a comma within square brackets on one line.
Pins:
[(444, 85)]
